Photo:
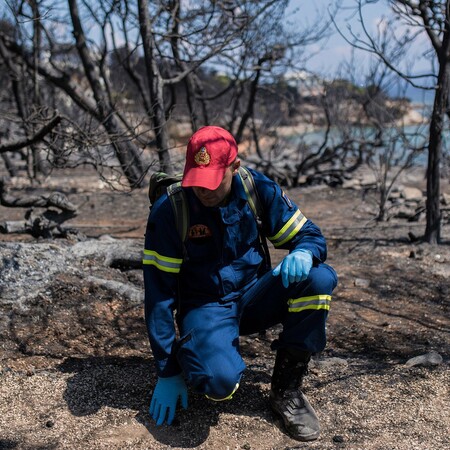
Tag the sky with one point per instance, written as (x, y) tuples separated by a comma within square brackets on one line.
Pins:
[(336, 50), (328, 57)]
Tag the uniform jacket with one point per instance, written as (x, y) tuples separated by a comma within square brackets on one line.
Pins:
[(221, 258)]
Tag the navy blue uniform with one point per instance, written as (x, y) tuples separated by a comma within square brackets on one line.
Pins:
[(218, 284)]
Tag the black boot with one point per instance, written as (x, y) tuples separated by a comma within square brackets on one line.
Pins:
[(286, 398)]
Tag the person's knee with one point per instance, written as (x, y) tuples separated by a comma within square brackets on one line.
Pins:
[(208, 367), (322, 279), (220, 383), (222, 386)]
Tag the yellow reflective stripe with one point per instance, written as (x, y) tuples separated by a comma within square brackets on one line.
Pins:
[(161, 262), (313, 302), (289, 230), (223, 399)]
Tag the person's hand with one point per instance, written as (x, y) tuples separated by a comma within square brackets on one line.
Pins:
[(294, 267), (165, 398)]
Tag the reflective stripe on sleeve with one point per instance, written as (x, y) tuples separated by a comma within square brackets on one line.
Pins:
[(314, 302), (289, 230), (163, 263)]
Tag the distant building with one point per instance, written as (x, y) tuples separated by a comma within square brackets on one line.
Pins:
[(307, 84)]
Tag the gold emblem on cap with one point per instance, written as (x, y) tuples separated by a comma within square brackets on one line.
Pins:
[(202, 157)]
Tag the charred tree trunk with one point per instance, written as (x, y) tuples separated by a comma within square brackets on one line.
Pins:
[(12, 170), (36, 164), (433, 215), (156, 85), (127, 153), (19, 89), (248, 113), (189, 81)]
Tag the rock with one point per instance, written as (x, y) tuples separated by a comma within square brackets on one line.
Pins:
[(412, 194), (397, 188), (394, 195), (445, 199), (351, 184), (27, 269), (361, 282), (133, 294), (106, 237), (404, 212), (428, 359), (330, 362), (109, 250), (368, 180)]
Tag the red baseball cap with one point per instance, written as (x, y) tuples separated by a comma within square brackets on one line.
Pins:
[(210, 152)]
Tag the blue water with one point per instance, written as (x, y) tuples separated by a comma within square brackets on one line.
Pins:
[(413, 136)]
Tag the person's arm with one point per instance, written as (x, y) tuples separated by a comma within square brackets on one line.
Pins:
[(161, 264), (287, 228)]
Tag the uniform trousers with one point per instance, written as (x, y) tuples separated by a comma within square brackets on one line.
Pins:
[(208, 348)]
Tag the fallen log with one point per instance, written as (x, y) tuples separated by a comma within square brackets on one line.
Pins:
[(48, 224), (55, 199)]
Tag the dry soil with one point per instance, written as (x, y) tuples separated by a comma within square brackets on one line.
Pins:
[(76, 371)]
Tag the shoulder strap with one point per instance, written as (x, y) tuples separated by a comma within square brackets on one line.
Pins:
[(252, 194), (178, 200), (256, 206)]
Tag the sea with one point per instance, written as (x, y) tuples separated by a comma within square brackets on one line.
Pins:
[(400, 140)]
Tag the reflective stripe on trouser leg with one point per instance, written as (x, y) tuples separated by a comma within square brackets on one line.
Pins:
[(266, 304), (308, 306), (310, 302)]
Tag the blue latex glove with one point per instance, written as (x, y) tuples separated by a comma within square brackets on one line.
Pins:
[(294, 267), (165, 398)]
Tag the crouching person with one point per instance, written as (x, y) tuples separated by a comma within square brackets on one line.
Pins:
[(215, 275)]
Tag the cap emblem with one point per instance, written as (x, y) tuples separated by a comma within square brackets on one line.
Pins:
[(202, 157)]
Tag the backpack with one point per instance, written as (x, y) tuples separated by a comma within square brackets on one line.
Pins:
[(161, 183)]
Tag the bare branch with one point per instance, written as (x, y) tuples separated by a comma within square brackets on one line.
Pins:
[(38, 136)]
